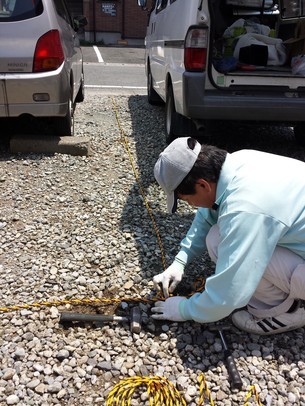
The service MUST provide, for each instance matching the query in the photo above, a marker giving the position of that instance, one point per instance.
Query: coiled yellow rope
(161, 392)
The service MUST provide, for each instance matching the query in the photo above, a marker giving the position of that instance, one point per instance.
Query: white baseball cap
(173, 165)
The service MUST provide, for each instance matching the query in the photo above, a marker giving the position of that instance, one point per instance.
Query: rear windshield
(17, 10)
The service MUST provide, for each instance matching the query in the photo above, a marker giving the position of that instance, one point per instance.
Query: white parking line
(114, 87)
(98, 54)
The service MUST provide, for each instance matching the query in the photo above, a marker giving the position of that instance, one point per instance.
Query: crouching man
(251, 220)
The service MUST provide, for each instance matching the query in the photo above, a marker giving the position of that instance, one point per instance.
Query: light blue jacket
(261, 199)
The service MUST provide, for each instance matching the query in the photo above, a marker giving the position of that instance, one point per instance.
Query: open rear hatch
(257, 43)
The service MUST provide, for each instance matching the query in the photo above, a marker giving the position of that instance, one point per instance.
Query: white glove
(168, 310)
(170, 278)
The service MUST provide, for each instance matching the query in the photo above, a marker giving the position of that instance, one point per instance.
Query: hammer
(134, 319)
(236, 381)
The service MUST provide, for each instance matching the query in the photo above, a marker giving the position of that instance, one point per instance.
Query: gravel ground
(77, 227)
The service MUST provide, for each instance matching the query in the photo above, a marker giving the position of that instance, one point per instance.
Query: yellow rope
(204, 391)
(252, 392)
(161, 392)
(76, 302)
(150, 212)
(198, 287)
(203, 388)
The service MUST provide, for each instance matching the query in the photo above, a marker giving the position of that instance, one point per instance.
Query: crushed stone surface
(78, 228)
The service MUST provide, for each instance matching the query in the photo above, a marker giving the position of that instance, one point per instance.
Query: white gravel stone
(12, 400)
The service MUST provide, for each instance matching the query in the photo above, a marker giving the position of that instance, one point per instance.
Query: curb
(50, 144)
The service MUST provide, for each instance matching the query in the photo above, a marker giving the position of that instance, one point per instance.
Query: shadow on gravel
(234, 136)
(149, 137)
(148, 134)
(10, 127)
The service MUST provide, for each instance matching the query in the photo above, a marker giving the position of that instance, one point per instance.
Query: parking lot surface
(76, 228)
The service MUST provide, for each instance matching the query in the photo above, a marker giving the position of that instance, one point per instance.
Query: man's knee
(212, 242)
(297, 283)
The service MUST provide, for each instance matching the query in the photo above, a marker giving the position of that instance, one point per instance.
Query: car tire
(80, 97)
(299, 134)
(176, 125)
(152, 95)
(171, 117)
(64, 126)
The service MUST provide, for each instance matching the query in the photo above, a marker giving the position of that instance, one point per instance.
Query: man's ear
(205, 184)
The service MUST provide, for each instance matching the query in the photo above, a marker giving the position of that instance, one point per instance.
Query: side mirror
(79, 22)
(142, 3)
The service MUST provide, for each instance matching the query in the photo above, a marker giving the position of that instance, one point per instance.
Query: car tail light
(195, 53)
(49, 54)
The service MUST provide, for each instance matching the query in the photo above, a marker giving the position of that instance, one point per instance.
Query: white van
(227, 60)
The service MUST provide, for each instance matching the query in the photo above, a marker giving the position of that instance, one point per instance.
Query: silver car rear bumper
(17, 90)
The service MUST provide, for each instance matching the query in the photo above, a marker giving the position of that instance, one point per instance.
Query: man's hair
(207, 166)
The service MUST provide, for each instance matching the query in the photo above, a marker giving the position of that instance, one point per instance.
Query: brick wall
(129, 19)
(135, 20)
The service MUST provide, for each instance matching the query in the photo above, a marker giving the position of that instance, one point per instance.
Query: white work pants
(282, 282)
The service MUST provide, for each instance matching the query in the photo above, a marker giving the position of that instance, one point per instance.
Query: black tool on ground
(134, 319)
(236, 381)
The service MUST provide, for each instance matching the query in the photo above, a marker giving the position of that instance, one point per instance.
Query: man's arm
(194, 243)
(247, 244)
(191, 246)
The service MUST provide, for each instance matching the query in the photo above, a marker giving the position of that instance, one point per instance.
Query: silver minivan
(239, 60)
(41, 63)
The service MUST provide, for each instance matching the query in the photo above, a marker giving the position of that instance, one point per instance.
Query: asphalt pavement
(115, 70)
(115, 54)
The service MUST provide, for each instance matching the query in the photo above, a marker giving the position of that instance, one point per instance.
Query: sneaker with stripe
(269, 325)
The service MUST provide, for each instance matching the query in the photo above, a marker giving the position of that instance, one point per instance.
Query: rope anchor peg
(134, 319)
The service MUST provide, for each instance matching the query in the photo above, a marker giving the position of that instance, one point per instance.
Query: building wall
(135, 20)
(111, 21)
